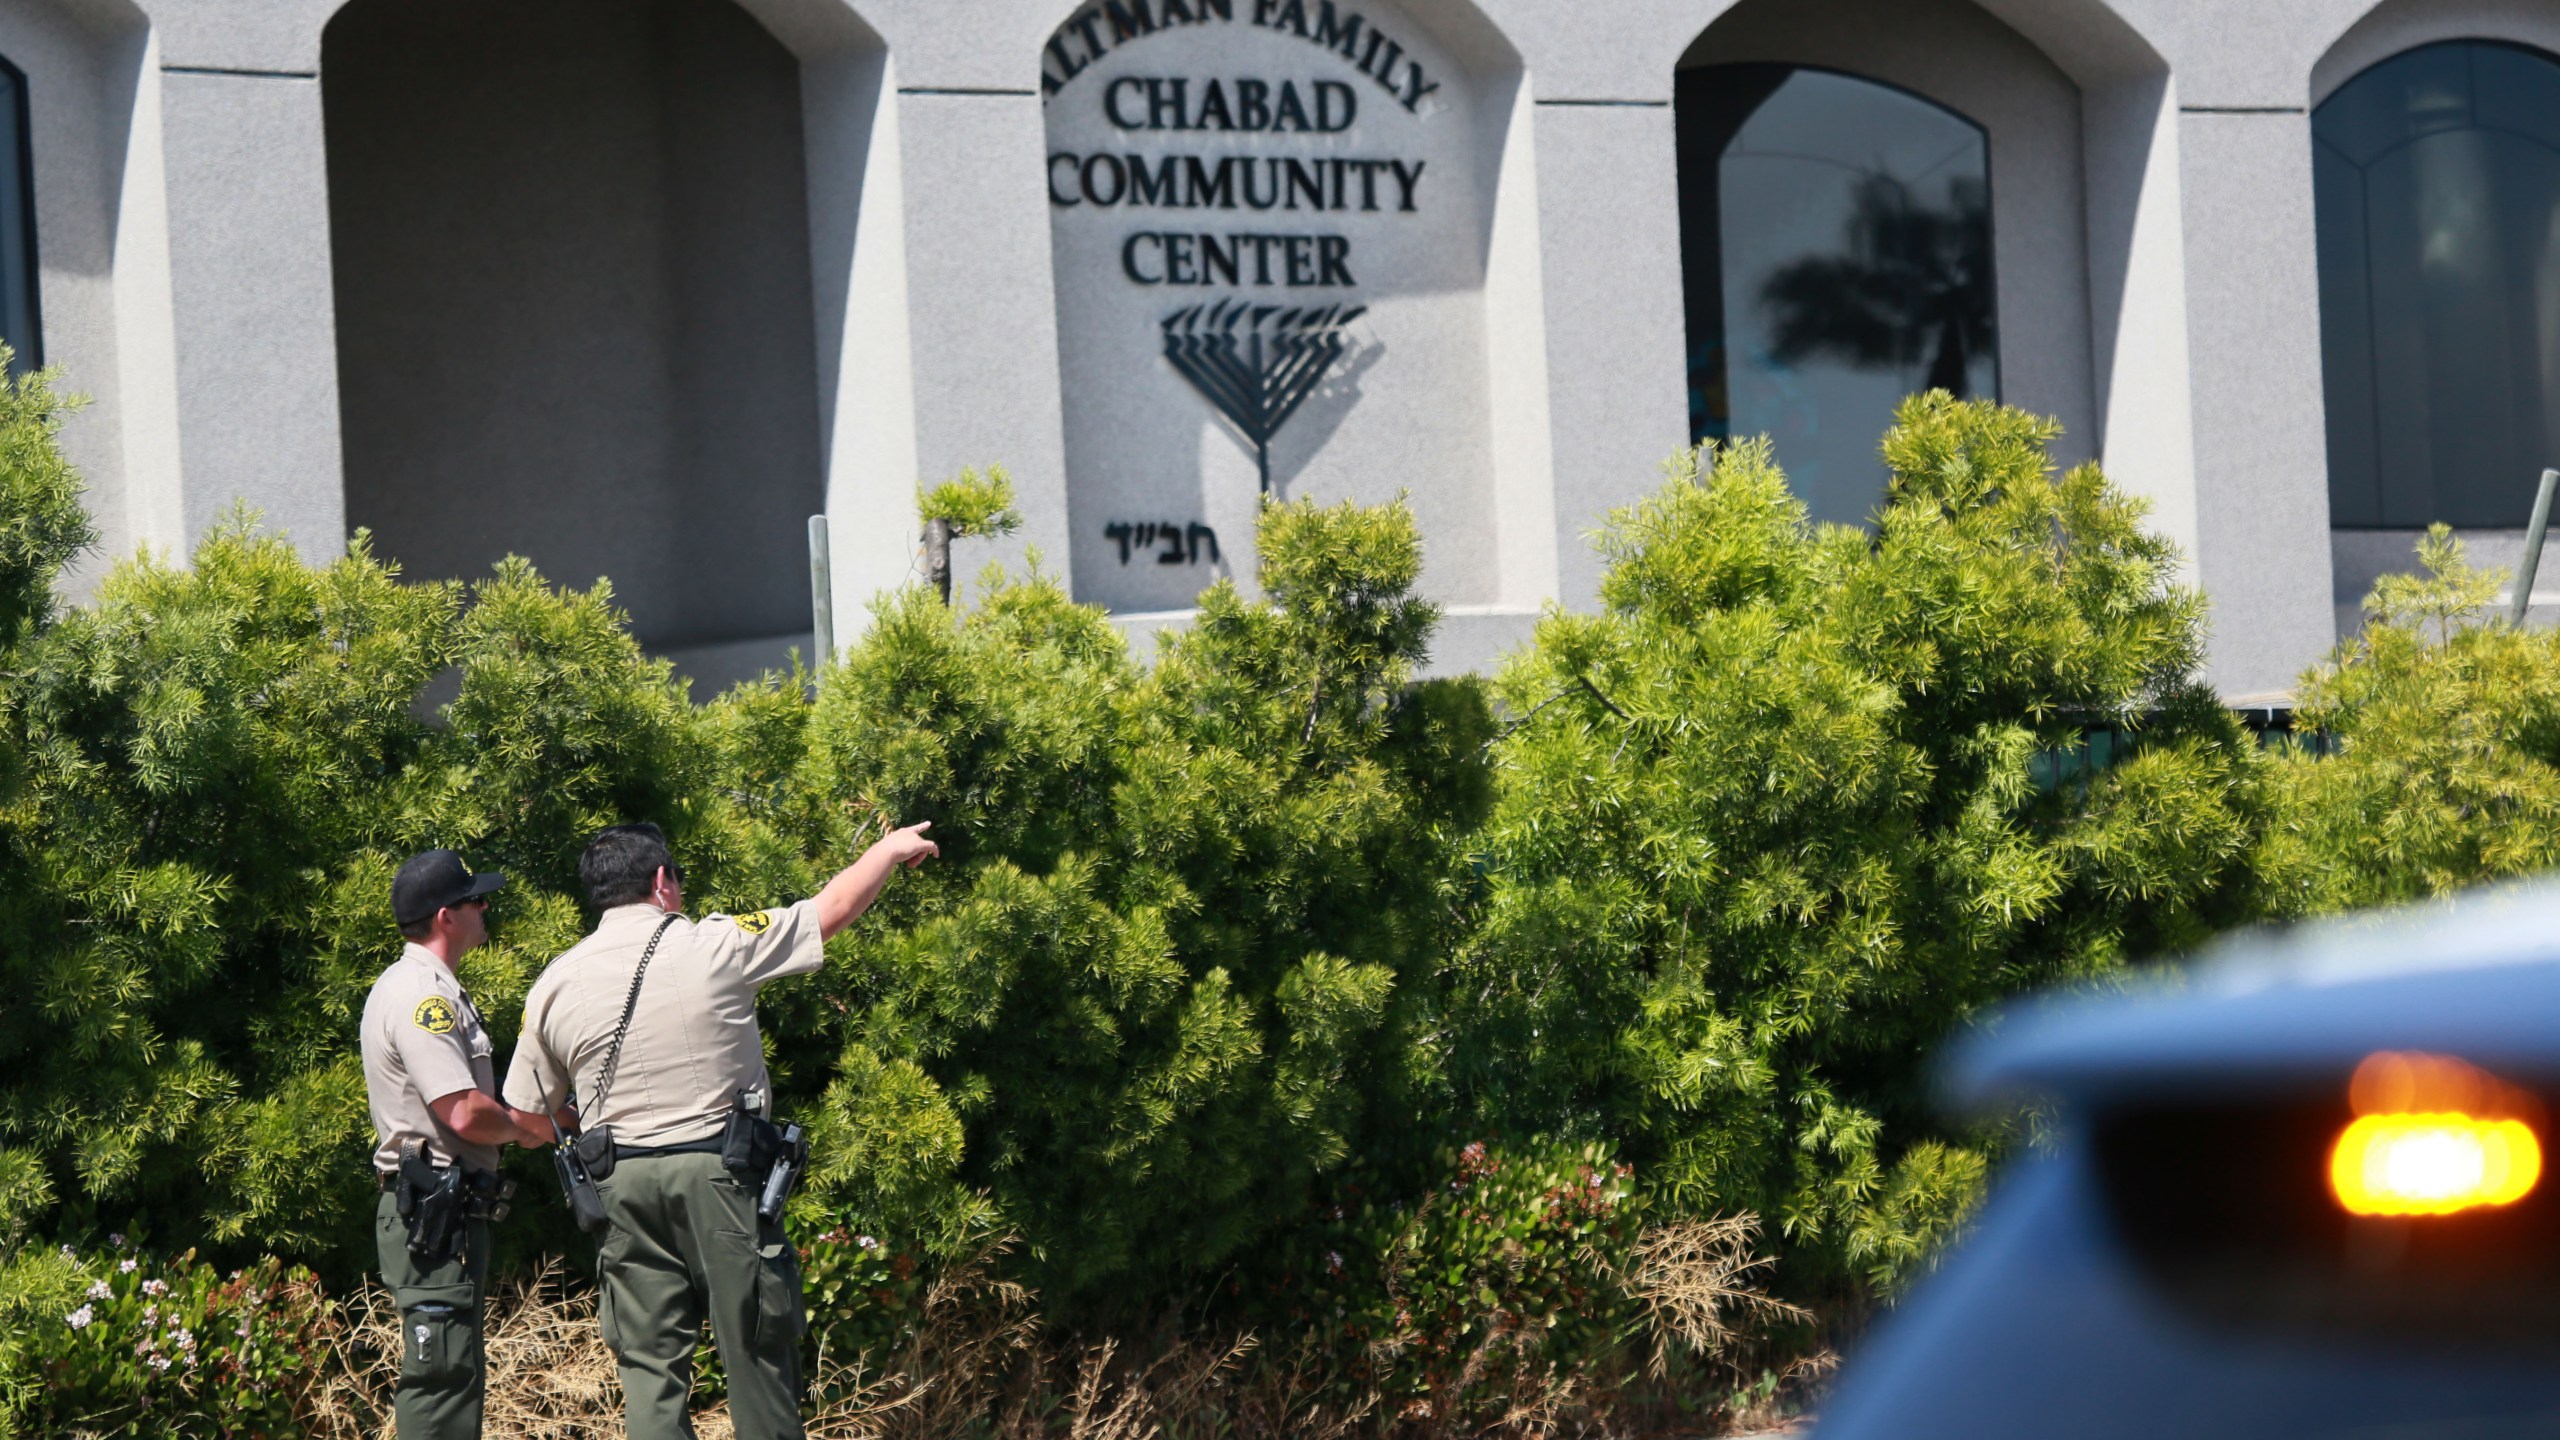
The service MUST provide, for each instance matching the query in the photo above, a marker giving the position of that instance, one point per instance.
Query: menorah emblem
(1257, 363)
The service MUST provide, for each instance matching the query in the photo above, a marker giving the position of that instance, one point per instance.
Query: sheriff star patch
(433, 1015)
(756, 922)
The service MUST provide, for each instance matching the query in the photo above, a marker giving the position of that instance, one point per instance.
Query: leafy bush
(865, 1296)
(2436, 754)
(175, 1348)
(1168, 969)
(971, 504)
(1505, 1278)
(1769, 824)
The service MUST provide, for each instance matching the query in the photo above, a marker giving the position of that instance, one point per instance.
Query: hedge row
(1230, 942)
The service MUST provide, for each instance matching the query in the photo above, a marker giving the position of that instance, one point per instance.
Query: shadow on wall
(1323, 412)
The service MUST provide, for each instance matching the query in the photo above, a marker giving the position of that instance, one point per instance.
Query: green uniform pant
(442, 1376)
(685, 1245)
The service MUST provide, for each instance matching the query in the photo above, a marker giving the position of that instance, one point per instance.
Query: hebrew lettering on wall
(1167, 542)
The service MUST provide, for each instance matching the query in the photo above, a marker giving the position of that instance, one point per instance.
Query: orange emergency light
(2432, 1136)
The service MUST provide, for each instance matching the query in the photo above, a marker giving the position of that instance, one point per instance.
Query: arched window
(2437, 183)
(1835, 245)
(17, 227)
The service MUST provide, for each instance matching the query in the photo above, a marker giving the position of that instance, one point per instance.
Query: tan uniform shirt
(693, 1043)
(423, 1041)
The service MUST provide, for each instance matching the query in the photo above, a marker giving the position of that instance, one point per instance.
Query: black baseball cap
(434, 879)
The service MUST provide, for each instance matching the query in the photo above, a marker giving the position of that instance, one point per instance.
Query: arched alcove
(1321, 210)
(1955, 204)
(572, 245)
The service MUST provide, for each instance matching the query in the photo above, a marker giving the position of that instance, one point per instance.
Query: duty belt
(709, 1146)
(436, 1202)
(388, 1181)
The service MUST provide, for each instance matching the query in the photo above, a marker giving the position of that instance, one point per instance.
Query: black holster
(767, 1158)
(435, 1202)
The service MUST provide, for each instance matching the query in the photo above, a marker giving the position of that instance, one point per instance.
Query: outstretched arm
(858, 884)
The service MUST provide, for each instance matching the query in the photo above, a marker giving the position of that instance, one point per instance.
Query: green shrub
(1169, 968)
(1768, 824)
(2434, 760)
(865, 1295)
(971, 504)
(174, 1347)
(1504, 1277)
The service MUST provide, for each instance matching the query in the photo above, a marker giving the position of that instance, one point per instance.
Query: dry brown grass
(979, 1365)
(1694, 1279)
(1697, 1281)
(550, 1376)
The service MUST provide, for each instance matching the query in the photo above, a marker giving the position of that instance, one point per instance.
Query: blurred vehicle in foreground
(2306, 1194)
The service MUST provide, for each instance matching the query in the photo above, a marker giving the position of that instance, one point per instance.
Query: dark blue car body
(2171, 1263)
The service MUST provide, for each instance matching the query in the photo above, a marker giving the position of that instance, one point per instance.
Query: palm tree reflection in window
(1836, 250)
(1909, 290)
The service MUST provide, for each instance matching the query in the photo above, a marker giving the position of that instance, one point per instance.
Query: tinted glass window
(1836, 252)
(2437, 179)
(17, 227)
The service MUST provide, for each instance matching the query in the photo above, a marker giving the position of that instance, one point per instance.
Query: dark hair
(419, 929)
(621, 864)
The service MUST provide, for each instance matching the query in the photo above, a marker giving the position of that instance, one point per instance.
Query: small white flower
(866, 1242)
(159, 1362)
(185, 1337)
(155, 1287)
(100, 1291)
(150, 1312)
(70, 1254)
(241, 1330)
(117, 1240)
(127, 1267)
(1334, 1258)
(81, 1317)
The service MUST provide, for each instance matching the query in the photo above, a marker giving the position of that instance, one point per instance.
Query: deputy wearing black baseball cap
(436, 880)
(438, 1123)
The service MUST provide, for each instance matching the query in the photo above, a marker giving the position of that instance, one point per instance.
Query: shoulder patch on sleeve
(756, 922)
(433, 1015)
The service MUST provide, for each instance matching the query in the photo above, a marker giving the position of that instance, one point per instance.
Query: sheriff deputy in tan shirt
(686, 1238)
(430, 1083)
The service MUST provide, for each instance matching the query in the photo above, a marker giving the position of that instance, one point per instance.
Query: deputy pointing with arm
(651, 1022)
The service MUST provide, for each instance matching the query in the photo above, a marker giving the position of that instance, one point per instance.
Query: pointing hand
(908, 847)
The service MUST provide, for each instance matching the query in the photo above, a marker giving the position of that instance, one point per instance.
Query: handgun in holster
(767, 1157)
(433, 1202)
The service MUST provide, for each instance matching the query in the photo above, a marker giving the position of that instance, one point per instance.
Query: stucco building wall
(2157, 292)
